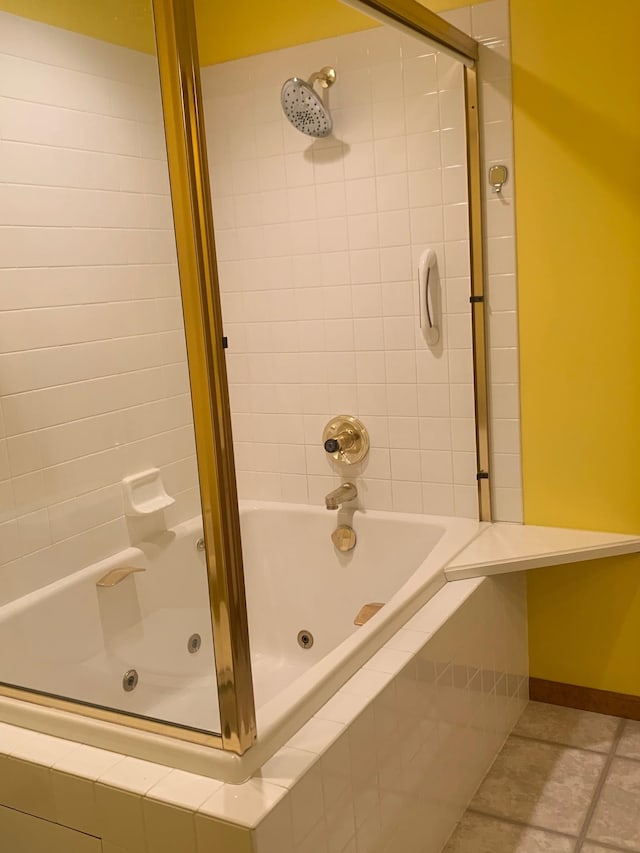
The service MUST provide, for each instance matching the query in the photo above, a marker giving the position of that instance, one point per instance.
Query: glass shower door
(104, 588)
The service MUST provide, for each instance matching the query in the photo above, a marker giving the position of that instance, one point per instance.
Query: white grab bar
(428, 320)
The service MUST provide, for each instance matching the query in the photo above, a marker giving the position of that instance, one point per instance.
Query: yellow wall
(584, 624)
(577, 134)
(226, 30)
(125, 22)
(231, 30)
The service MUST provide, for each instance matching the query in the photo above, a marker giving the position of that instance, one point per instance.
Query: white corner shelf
(505, 547)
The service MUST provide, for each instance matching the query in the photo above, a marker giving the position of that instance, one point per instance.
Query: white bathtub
(76, 640)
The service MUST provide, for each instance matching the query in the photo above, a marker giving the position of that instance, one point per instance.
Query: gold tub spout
(116, 576)
(345, 492)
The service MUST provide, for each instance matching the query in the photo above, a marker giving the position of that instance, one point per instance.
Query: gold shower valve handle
(346, 439)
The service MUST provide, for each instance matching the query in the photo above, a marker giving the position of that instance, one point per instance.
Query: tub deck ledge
(504, 547)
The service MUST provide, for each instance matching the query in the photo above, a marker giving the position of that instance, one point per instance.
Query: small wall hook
(498, 176)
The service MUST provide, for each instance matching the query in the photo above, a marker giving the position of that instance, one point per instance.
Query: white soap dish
(144, 493)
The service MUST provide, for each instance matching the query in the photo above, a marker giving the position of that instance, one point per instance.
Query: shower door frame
(178, 64)
(419, 19)
(176, 35)
(179, 67)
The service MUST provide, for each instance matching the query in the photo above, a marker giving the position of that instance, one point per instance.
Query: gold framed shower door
(177, 55)
(186, 146)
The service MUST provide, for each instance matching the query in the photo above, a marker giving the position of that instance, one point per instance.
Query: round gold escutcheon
(344, 538)
(346, 439)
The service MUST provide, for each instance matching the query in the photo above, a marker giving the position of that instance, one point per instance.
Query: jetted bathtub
(73, 639)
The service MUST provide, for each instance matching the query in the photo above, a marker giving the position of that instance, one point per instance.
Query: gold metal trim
(344, 538)
(326, 77)
(193, 220)
(106, 715)
(345, 492)
(350, 438)
(476, 224)
(422, 20)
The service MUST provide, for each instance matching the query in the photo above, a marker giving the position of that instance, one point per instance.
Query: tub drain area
(305, 639)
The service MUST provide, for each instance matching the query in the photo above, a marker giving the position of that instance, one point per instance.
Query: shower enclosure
(119, 478)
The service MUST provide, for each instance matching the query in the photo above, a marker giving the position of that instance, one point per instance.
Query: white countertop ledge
(504, 547)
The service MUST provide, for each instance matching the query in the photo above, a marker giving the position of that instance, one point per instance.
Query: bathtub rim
(202, 753)
(356, 649)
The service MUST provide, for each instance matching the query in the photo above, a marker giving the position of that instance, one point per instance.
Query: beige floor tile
(581, 729)
(616, 819)
(588, 847)
(542, 784)
(480, 834)
(629, 744)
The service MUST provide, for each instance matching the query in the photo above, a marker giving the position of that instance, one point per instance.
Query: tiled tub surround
(318, 243)
(92, 358)
(389, 763)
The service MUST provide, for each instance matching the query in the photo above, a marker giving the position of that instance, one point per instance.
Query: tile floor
(566, 781)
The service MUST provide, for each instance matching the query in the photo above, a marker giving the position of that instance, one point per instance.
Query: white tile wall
(93, 378)
(92, 362)
(318, 243)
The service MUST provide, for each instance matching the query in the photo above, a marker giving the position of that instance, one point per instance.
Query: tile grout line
(522, 824)
(609, 754)
(590, 750)
(605, 846)
(604, 773)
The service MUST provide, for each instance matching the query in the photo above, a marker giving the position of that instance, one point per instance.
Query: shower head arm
(326, 77)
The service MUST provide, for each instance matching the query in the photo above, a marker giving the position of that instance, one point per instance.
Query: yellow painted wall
(125, 22)
(226, 30)
(584, 624)
(577, 134)
(231, 30)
